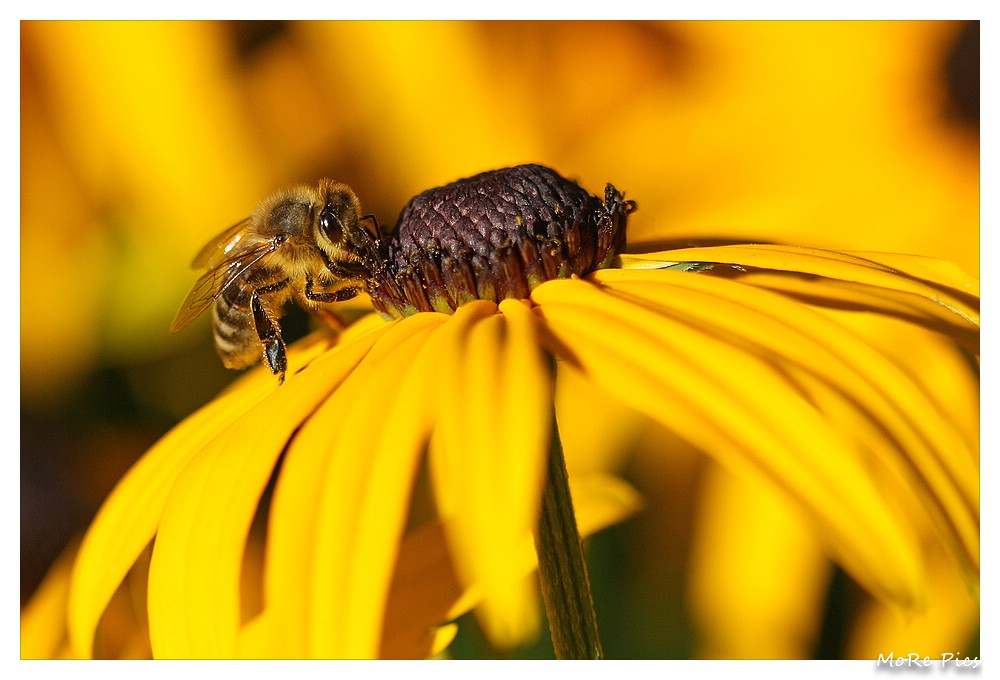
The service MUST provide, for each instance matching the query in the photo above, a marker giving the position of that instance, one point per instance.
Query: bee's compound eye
(330, 225)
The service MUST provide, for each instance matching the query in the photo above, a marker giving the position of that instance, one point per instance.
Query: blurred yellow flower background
(140, 140)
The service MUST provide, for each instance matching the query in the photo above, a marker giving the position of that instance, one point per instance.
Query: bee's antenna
(378, 237)
(375, 224)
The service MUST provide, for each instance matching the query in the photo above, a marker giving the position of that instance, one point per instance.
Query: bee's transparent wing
(211, 284)
(221, 245)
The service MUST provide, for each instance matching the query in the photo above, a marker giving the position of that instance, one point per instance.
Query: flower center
(494, 236)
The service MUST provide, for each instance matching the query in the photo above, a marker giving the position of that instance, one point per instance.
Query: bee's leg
(270, 337)
(339, 295)
(348, 269)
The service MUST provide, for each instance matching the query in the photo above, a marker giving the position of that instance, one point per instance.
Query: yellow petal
(861, 389)
(592, 444)
(933, 361)
(369, 323)
(488, 459)
(934, 271)
(767, 607)
(950, 288)
(949, 624)
(742, 410)
(259, 637)
(442, 637)
(426, 592)
(129, 517)
(194, 581)
(960, 324)
(340, 500)
(358, 537)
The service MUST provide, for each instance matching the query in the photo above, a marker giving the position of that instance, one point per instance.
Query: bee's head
(338, 229)
(338, 219)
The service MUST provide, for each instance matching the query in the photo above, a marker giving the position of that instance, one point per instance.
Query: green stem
(562, 570)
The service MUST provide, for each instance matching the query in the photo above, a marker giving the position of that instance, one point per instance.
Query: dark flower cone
(494, 236)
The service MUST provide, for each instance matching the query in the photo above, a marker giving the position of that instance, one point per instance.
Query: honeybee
(306, 244)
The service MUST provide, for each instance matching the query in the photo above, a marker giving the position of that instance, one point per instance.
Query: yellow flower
(738, 349)
(826, 134)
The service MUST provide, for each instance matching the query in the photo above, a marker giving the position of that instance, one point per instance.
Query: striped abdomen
(236, 337)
